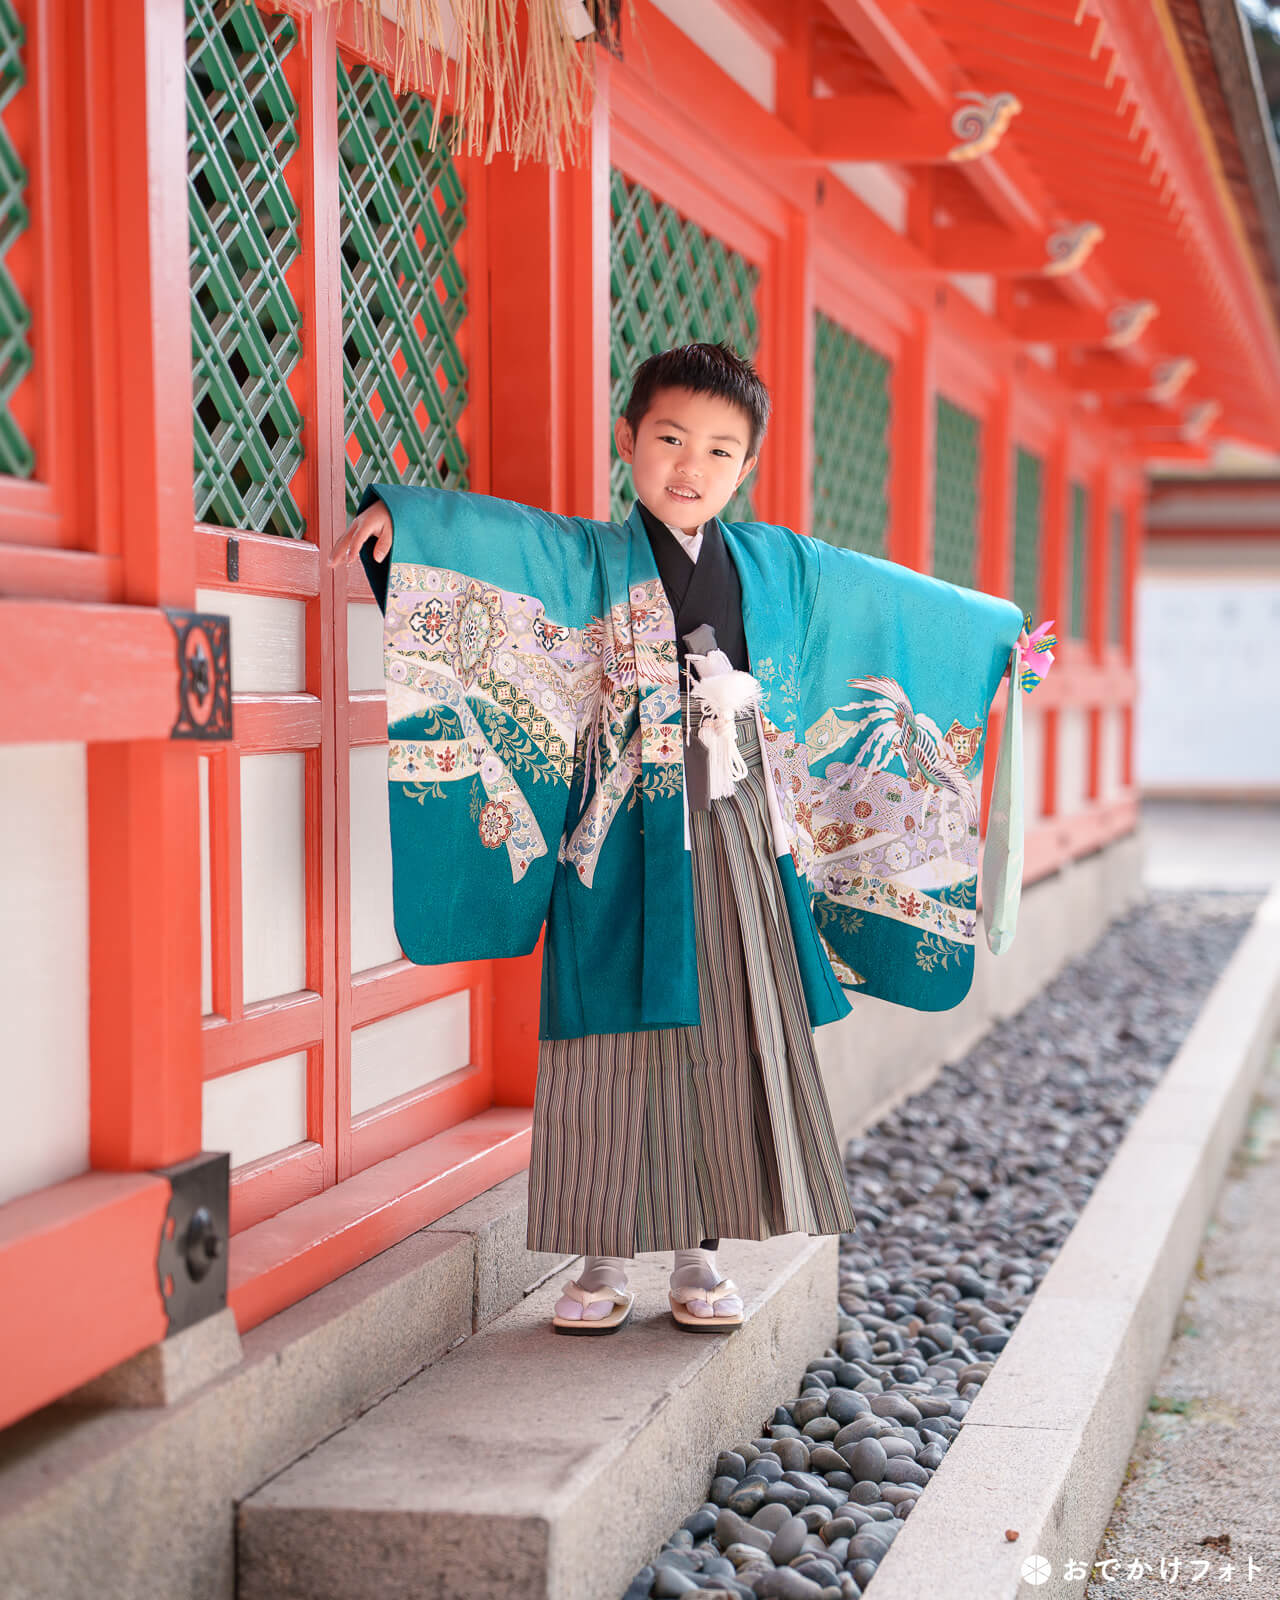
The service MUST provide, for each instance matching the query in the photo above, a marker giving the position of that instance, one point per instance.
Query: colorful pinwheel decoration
(1034, 654)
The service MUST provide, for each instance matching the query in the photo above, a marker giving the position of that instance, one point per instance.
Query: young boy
(643, 734)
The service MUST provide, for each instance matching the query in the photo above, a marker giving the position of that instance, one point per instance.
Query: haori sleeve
(900, 670)
(485, 607)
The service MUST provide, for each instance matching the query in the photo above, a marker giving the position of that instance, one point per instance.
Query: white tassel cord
(722, 691)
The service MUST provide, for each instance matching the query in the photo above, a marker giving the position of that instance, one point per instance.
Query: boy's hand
(375, 523)
(1023, 639)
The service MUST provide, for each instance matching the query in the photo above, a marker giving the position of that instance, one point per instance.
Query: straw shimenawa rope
(525, 102)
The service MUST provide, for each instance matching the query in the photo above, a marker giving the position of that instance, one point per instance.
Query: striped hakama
(658, 1139)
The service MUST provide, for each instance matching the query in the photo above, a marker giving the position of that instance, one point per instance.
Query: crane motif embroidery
(934, 762)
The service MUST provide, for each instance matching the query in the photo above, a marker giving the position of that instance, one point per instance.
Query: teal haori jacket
(536, 774)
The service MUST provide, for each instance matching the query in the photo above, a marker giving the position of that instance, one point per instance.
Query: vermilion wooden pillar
(328, 784)
(1134, 524)
(911, 448)
(995, 545)
(1097, 566)
(915, 397)
(549, 422)
(789, 450)
(144, 857)
(1053, 595)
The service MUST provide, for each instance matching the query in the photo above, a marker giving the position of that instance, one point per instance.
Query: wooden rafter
(903, 46)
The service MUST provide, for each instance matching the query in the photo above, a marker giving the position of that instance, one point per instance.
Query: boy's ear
(622, 437)
(746, 467)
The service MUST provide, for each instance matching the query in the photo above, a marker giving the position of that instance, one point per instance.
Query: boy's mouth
(682, 493)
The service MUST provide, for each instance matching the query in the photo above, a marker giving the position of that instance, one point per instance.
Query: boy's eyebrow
(672, 423)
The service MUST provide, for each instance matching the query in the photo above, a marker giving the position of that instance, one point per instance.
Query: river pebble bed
(964, 1195)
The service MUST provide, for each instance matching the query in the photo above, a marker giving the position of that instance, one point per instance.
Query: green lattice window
(16, 455)
(672, 283)
(404, 294)
(851, 403)
(1115, 577)
(242, 131)
(1028, 523)
(957, 458)
(1077, 556)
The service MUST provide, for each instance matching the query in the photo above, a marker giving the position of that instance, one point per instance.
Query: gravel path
(963, 1195)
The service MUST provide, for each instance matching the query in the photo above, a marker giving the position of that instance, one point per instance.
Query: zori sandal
(623, 1300)
(686, 1318)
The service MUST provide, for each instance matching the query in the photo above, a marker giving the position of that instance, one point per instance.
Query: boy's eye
(671, 438)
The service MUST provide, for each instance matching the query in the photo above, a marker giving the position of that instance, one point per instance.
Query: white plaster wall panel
(733, 48)
(1209, 681)
(206, 899)
(410, 1049)
(879, 189)
(44, 966)
(978, 287)
(373, 931)
(1073, 760)
(273, 879)
(268, 640)
(257, 1110)
(1118, 747)
(1110, 751)
(364, 647)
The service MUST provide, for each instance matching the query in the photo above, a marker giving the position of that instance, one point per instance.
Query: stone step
(529, 1464)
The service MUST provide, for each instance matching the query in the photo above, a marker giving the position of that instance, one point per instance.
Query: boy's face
(696, 443)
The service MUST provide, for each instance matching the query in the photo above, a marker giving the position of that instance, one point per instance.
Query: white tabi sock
(597, 1272)
(697, 1269)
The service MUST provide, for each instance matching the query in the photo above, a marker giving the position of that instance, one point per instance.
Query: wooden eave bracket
(1172, 450)
(1114, 327)
(1159, 382)
(1170, 377)
(865, 127)
(1190, 426)
(934, 114)
(983, 247)
(1199, 420)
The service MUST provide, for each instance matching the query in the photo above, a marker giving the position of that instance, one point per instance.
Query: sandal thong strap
(720, 1291)
(587, 1297)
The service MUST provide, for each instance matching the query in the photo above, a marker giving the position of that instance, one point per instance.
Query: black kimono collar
(705, 590)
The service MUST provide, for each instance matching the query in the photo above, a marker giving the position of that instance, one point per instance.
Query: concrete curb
(1044, 1447)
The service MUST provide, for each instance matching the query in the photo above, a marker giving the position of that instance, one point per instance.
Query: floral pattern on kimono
(492, 685)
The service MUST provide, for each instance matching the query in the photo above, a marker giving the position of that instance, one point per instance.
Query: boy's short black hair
(705, 369)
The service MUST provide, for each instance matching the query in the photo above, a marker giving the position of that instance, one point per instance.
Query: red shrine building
(996, 261)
